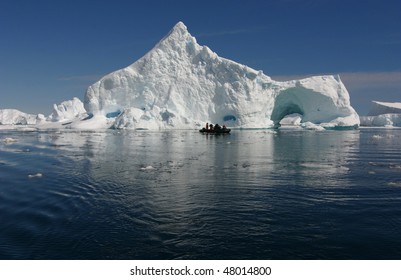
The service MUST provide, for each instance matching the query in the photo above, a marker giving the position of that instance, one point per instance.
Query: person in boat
(217, 127)
(211, 127)
(207, 126)
(224, 127)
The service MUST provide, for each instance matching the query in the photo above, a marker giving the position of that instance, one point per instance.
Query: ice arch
(312, 106)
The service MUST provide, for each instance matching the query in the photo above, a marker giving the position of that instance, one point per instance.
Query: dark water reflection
(286, 194)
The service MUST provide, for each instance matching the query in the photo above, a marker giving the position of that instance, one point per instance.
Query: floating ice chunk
(9, 140)
(37, 175)
(395, 166)
(147, 168)
(292, 119)
(312, 126)
(27, 129)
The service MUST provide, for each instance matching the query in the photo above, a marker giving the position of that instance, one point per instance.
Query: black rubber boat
(215, 131)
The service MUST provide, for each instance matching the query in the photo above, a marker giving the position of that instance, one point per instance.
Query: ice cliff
(383, 114)
(181, 84)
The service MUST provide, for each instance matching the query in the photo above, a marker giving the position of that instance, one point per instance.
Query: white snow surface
(387, 114)
(181, 84)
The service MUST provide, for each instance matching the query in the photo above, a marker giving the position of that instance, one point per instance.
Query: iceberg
(181, 84)
(65, 112)
(386, 120)
(381, 108)
(387, 114)
(16, 117)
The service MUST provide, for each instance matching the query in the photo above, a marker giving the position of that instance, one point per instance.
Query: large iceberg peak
(176, 39)
(181, 84)
(179, 28)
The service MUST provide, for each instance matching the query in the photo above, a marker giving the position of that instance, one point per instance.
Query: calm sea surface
(254, 194)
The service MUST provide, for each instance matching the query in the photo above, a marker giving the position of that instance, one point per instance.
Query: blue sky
(51, 51)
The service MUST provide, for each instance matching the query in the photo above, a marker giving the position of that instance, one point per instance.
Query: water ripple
(181, 195)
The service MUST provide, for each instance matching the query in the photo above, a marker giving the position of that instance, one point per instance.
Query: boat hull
(219, 131)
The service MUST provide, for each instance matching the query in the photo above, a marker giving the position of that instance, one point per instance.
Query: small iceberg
(147, 168)
(9, 140)
(37, 175)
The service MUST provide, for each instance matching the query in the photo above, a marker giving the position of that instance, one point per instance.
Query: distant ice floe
(16, 117)
(394, 184)
(9, 140)
(382, 136)
(147, 168)
(37, 175)
(383, 114)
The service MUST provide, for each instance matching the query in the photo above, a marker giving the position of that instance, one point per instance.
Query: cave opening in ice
(229, 118)
(285, 106)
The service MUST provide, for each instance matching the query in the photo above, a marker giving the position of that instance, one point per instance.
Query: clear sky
(51, 51)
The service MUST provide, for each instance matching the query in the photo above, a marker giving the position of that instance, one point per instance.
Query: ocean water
(254, 194)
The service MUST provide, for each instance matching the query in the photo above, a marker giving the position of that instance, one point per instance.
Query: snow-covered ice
(311, 126)
(68, 110)
(387, 120)
(16, 117)
(293, 120)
